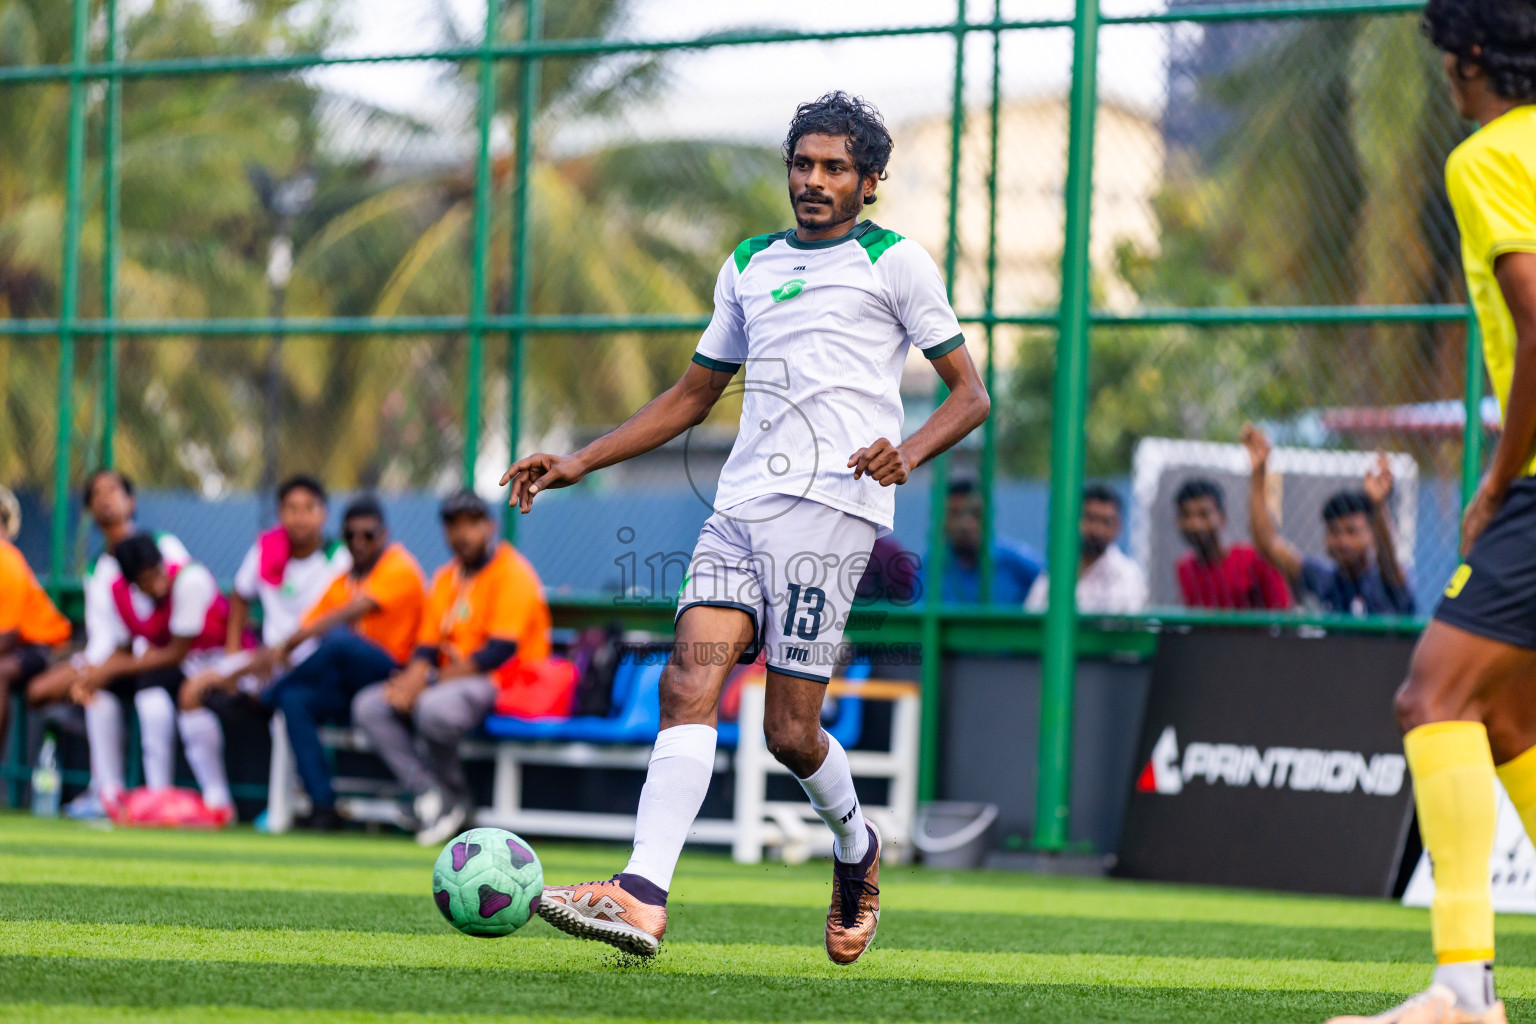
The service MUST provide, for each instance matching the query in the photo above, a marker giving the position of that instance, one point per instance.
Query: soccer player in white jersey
(286, 571)
(107, 496)
(821, 316)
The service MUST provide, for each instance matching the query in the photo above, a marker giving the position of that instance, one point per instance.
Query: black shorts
(33, 659)
(166, 678)
(1493, 592)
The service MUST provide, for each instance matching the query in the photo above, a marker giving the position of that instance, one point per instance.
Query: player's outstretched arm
(1378, 487)
(1516, 272)
(962, 412)
(1277, 551)
(683, 405)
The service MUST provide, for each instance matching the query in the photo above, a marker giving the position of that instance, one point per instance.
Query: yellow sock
(1519, 778)
(1453, 787)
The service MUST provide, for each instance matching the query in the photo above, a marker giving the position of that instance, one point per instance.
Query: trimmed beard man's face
(825, 188)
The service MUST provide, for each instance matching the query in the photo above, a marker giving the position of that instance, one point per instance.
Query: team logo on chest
(788, 290)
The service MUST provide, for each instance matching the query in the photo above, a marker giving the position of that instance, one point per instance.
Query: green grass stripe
(723, 924)
(42, 851)
(545, 954)
(903, 889)
(71, 839)
(31, 1013)
(645, 995)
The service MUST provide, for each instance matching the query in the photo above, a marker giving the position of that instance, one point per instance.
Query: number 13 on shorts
(804, 621)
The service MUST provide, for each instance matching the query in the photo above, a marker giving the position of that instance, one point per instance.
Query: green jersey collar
(794, 242)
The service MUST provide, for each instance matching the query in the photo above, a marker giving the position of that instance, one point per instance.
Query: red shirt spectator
(1240, 579)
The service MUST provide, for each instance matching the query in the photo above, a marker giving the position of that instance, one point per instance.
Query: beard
(1094, 548)
(844, 210)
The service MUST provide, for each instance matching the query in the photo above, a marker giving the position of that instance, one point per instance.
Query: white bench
(759, 824)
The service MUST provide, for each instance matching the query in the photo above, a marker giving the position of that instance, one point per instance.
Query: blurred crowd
(317, 629)
(1357, 574)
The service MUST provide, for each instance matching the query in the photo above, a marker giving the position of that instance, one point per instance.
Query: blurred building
(1032, 171)
(1198, 55)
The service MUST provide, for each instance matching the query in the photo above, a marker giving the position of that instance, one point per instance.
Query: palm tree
(636, 228)
(1322, 185)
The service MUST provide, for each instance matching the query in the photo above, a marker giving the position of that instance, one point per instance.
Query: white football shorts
(793, 564)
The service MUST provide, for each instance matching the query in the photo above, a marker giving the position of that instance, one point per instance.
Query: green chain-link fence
(221, 261)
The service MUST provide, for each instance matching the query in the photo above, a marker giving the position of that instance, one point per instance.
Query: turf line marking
(915, 891)
(161, 942)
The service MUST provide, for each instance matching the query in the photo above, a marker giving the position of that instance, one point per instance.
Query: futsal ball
(487, 882)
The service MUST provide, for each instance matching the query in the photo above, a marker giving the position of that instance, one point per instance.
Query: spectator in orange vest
(31, 628)
(366, 625)
(485, 605)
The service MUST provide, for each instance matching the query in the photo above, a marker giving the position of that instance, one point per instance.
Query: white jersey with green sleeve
(305, 581)
(822, 329)
(102, 632)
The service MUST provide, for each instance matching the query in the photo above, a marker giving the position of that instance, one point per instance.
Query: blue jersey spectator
(1015, 565)
(1361, 575)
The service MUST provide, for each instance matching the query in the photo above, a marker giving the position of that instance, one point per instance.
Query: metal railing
(1074, 319)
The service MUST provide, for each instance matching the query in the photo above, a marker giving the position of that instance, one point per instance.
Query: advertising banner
(1511, 869)
(1271, 761)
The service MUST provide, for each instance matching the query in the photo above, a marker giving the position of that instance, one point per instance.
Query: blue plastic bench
(634, 718)
(636, 714)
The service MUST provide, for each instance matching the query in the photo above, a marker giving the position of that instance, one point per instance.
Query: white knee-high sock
(157, 736)
(675, 783)
(203, 740)
(830, 788)
(104, 733)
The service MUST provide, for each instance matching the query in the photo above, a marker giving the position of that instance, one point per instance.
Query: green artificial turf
(99, 925)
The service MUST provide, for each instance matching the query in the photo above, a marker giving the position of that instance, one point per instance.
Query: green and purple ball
(487, 882)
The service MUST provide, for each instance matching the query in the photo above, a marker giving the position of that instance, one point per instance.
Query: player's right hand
(540, 472)
(1257, 444)
(1480, 512)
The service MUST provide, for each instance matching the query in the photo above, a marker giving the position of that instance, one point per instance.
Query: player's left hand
(1480, 512)
(883, 461)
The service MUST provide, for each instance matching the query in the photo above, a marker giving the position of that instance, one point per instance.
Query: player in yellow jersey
(1470, 699)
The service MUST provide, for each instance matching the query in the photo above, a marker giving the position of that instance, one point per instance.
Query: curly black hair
(837, 113)
(1498, 36)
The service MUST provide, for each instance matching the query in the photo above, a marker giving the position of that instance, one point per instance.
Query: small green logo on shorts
(788, 290)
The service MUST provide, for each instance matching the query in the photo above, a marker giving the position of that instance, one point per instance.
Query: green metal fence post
(1472, 430)
(522, 238)
(989, 375)
(933, 648)
(111, 196)
(69, 298)
(475, 363)
(1068, 408)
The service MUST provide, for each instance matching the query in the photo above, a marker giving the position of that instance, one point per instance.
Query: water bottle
(46, 784)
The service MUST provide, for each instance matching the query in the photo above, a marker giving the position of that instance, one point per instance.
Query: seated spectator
(1215, 574)
(108, 498)
(362, 630)
(1015, 565)
(485, 605)
(176, 609)
(285, 571)
(1108, 581)
(31, 628)
(1362, 575)
(892, 574)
